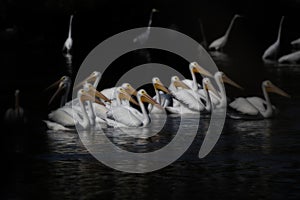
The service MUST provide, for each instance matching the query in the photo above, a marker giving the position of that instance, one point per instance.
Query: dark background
(31, 50)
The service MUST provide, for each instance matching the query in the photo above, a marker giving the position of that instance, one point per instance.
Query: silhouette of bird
(16, 114)
(220, 43)
(273, 52)
(69, 42)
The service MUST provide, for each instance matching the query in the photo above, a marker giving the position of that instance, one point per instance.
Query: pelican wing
(124, 116)
(258, 103)
(100, 111)
(110, 93)
(188, 98)
(63, 116)
(244, 106)
(56, 127)
(190, 83)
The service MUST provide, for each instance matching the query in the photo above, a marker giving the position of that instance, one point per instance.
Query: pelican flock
(124, 106)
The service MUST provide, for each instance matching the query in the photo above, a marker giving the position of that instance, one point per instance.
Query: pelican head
(85, 96)
(154, 10)
(178, 83)
(129, 89)
(65, 79)
(145, 97)
(223, 78)
(62, 85)
(17, 92)
(157, 84)
(270, 87)
(196, 68)
(92, 77)
(122, 94)
(209, 87)
(91, 90)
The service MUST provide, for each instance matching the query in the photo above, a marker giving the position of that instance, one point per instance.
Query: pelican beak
(93, 92)
(231, 82)
(56, 83)
(60, 88)
(181, 84)
(130, 90)
(124, 95)
(210, 87)
(277, 90)
(198, 69)
(146, 98)
(159, 86)
(87, 97)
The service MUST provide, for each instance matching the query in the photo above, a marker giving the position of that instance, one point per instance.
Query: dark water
(252, 159)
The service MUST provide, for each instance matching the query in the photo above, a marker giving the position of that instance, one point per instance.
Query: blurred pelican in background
(273, 52)
(16, 114)
(256, 106)
(296, 43)
(220, 43)
(69, 41)
(292, 58)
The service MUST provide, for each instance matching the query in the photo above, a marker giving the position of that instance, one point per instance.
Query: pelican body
(256, 106)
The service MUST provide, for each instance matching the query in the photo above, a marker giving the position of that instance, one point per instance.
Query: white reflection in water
(68, 60)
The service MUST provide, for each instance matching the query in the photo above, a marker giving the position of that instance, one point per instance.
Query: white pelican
(195, 68)
(220, 100)
(186, 100)
(110, 93)
(161, 97)
(121, 116)
(256, 106)
(273, 52)
(292, 58)
(64, 115)
(93, 79)
(142, 38)
(16, 114)
(69, 42)
(83, 119)
(220, 43)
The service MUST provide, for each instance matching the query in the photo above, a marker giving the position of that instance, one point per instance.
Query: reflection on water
(252, 158)
(68, 63)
